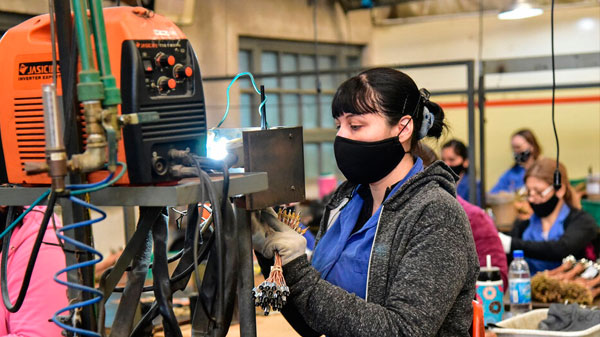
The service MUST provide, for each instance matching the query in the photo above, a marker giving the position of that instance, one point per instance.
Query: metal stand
(185, 193)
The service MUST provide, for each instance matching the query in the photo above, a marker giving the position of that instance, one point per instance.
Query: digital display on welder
(168, 67)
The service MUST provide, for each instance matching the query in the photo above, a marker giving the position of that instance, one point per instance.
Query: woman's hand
(269, 235)
(259, 231)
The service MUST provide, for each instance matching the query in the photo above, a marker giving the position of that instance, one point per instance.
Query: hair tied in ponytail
(427, 123)
(428, 117)
(425, 94)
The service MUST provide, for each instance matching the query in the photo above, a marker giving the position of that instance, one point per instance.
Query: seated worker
(456, 155)
(44, 296)
(484, 231)
(394, 254)
(558, 227)
(526, 150)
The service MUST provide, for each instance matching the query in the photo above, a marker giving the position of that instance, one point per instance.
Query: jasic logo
(37, 68)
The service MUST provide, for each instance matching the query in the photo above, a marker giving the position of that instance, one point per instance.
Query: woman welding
(394, 254)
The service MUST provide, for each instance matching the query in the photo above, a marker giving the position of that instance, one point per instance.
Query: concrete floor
(266, 326)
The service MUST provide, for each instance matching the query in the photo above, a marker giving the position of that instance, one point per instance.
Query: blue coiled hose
(76, 190)
(86, 248)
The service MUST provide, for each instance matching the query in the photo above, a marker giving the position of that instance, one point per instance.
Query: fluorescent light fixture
(586, 24)
(520, 9)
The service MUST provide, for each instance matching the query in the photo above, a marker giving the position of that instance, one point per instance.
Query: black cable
(205, 249)
(197, 279)
(29, 271)
(220, 238)
(53, 40)
(175, 278)
(316, 47)
(148, 288)
(557, 178)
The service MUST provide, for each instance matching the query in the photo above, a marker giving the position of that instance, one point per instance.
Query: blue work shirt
(534, 233)
(463, 187)
(511, 181)
(342, 257)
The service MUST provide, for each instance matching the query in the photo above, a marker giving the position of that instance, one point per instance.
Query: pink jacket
(44, 296)
(486, 238)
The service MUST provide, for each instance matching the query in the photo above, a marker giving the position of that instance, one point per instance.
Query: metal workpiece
(186, 192)
(280, 153)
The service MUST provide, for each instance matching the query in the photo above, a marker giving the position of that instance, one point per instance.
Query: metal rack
(184, 193)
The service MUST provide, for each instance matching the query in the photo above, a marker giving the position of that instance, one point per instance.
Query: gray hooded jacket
(422, 270)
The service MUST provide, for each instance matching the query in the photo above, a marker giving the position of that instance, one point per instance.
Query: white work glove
(260, 229)
(277, 237)
(506, 241)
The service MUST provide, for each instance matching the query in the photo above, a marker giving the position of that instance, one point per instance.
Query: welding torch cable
(203, 226)
(29, 209)
(220, 241)
(228, 98)
(153, 311)
(30, 264)
(81, 265)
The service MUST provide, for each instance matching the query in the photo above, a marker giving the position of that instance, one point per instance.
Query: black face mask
(521, 157)
(367, 162)
(544, 209)
(458, 169)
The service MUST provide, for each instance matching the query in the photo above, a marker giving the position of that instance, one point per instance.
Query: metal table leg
(246, 275)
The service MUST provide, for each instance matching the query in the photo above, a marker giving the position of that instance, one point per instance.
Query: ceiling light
(519, 9)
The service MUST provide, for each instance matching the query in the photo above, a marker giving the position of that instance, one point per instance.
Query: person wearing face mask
(558, 228)
(394, 255)
(456, 155)
(526, 150)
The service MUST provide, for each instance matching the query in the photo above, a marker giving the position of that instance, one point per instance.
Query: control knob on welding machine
(164, 60)
(164, 83)
(180, 71)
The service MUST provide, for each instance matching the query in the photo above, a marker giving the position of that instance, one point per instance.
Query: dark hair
(530, 138)
(460, 149)
(544, 168)
(391, 93)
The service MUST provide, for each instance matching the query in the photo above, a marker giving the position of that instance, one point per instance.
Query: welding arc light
(519, 9)
(216, 147)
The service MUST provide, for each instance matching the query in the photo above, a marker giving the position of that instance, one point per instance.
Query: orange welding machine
(156, 70)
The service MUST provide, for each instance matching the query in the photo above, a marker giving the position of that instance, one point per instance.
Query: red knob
(164, 83)
(164, 60)
(180, 71)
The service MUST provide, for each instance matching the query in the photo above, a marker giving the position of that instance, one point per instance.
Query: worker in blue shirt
(526, 151)
(394, 255)
(456, 155)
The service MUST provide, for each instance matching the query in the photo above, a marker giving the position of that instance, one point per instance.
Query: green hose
(112, 95)
(89, 87)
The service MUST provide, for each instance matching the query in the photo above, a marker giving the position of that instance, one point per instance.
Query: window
(292, 91)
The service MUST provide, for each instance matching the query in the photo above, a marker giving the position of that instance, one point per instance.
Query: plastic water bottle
(519, 284)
